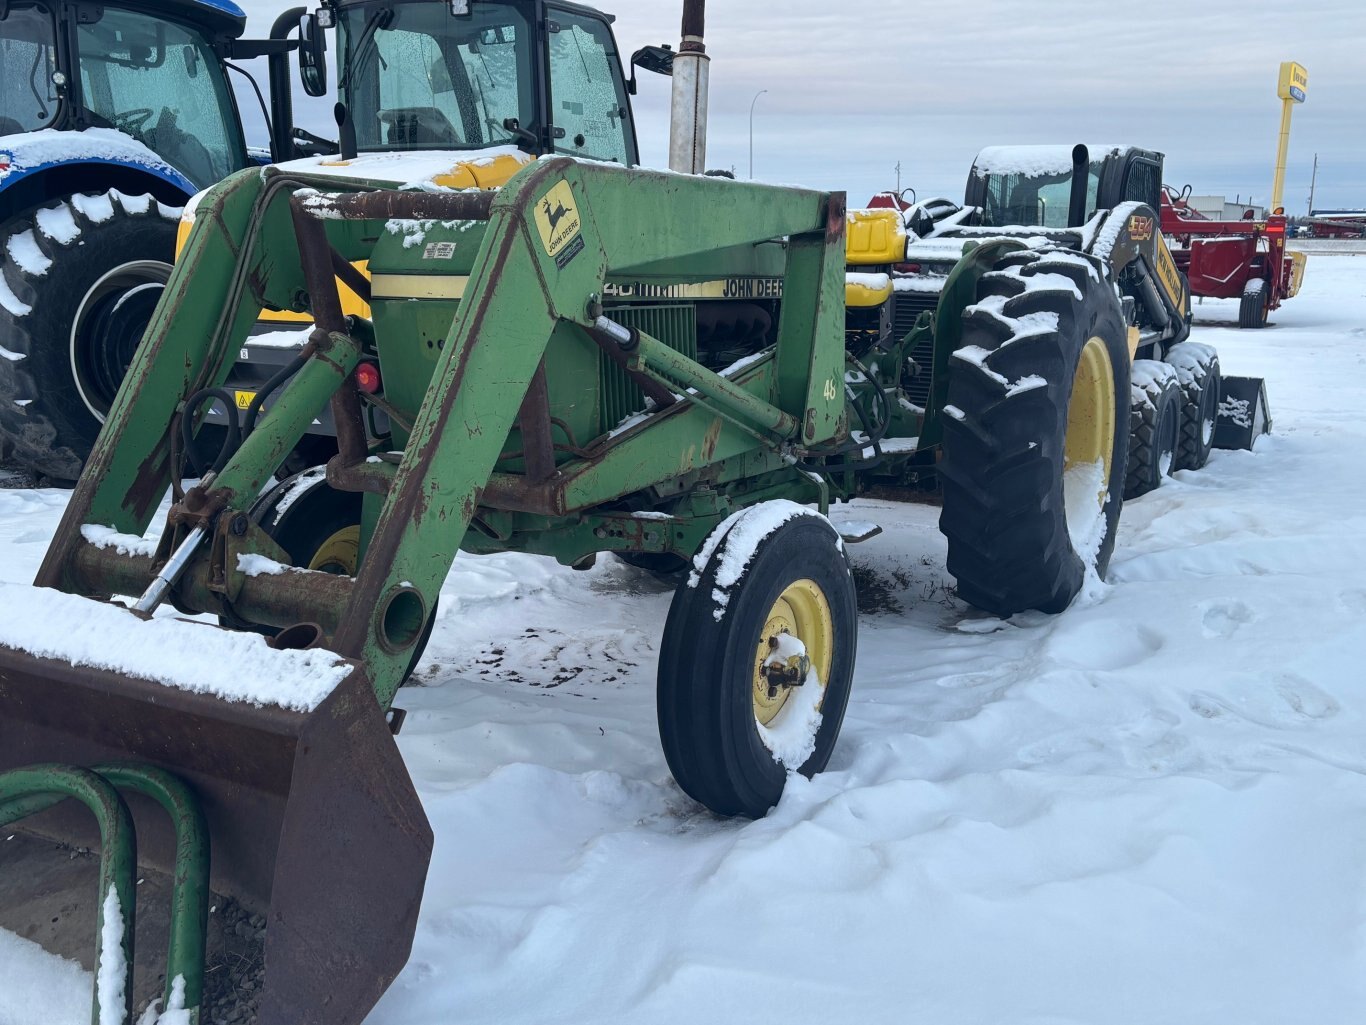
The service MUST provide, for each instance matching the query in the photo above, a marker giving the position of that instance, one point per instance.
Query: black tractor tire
(719, 725)
(1197, 370)
(1255, 306)
(319, 529)
(1154, 426)
(1037, 421)
(81, 277)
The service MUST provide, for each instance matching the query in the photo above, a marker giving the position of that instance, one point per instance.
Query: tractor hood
(423, 170)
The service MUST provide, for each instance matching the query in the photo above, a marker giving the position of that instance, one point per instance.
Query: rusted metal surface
(386, 204)
(538, 446)
(834, 217)
(280, 599)
(312, 816)
(350, 277)
(514, 493)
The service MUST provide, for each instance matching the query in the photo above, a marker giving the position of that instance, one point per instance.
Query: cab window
(160, 84)
(588, 108)
(418, 78)
(28, 99)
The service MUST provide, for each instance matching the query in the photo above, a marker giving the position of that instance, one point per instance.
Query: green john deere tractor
(592, 358)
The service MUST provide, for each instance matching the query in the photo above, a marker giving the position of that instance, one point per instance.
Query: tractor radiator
(907, 306)
(675, 326)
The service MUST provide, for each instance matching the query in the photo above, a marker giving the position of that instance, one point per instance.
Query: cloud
(854, 89)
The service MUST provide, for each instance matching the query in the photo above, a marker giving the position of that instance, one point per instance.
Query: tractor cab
(417, 76)
(152, 72)
(1060, 186)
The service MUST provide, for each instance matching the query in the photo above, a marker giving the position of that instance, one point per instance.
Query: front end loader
(308, 816)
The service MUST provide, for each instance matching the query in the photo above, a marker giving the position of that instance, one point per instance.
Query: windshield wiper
(366, 45)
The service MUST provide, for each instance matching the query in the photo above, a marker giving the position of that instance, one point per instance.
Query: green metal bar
(190, 886)
(288, 419)
(118, 853)
(665, 364)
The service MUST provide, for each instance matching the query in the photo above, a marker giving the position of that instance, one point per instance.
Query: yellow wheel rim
(1090, 436)
(340, 553)
(803, 611)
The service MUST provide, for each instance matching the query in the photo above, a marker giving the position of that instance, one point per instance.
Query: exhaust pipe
(1081, 169)
(688, 114)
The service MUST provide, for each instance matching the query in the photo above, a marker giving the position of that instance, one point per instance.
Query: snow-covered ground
(1149, 809)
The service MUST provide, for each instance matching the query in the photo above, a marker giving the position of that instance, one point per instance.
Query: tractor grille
(907, 307)
(675, 326)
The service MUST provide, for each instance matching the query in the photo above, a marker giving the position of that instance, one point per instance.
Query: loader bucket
(312, 818)
(1244, 415)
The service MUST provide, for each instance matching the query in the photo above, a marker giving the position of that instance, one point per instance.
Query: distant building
(1218, 208)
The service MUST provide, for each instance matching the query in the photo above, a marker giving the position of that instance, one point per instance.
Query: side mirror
(658, 59)
(312, 56)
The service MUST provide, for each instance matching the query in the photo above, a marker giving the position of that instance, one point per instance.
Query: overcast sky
(853, 89)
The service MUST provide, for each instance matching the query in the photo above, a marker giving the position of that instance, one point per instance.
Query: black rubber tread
(1197, 367)
(1154, 428)
(46, 424)
(705, 708)
(1003, 450)
(1253, 309)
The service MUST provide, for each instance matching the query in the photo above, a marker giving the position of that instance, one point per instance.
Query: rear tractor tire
(1035, 434)
(1255, 307)
(319, 529)
(757, 659)
(81, 279)
(1154, 426)
(1197, 371)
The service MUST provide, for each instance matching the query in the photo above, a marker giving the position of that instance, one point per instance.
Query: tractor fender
(40, 166)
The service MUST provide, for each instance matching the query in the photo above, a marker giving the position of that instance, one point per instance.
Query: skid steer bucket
(311, 817)
(1244, 415)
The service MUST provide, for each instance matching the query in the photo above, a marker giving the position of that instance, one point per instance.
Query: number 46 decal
(829, 391)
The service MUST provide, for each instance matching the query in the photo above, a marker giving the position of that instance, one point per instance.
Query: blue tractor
(112, 115)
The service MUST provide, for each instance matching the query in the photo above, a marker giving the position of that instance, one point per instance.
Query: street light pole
(751, 131)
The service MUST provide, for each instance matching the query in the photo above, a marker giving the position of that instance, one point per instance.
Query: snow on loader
(112, 116)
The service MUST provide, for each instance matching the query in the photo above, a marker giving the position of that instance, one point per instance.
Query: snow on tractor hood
(30, 152)
(425, 170)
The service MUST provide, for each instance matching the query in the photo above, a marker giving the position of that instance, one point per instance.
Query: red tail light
(367, 378)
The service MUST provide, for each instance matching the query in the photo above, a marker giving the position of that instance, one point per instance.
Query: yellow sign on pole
(1292, 88)
(1294, 83)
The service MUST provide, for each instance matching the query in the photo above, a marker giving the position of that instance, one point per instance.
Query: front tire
(1035, 434)
(1255, 306)
(1154, 426)
(81, 279)
(1197, 370)
(732, 720)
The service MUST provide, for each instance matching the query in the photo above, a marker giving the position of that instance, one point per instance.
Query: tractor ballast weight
(311, 815)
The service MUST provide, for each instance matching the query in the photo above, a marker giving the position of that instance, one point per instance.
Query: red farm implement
(1244, 259)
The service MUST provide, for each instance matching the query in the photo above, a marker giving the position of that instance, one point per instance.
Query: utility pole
(1312, 182)
(898, 177)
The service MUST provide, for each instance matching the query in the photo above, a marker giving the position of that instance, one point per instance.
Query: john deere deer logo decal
(556, 215)
(557, 219)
